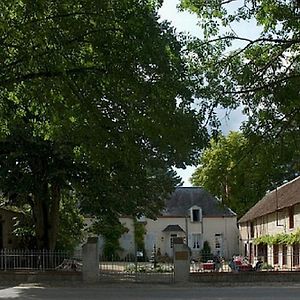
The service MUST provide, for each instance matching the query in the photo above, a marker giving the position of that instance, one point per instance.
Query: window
(195, 214)
(291, 217)
(296, 255)
(218, 244)
(172, 239)
(262, 251)
(196, 240)
(252, 229)
(250, 253)
(217, 238)
(284, 254)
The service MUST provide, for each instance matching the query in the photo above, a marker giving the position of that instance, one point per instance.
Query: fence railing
(268, 262)
(132, 269)
(42, 260)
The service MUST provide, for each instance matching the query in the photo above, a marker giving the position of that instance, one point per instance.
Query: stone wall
(247, 277)
(60, 277)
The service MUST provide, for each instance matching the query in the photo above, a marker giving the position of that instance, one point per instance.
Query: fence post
(181, 261)
(5, 260)
(50, 255)
(90, 260)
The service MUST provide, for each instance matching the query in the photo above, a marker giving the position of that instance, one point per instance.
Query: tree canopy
(261, 74)
(95, 98)
(239, 170)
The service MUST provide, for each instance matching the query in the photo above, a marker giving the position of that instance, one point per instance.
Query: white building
(192, 214)
(270, 229)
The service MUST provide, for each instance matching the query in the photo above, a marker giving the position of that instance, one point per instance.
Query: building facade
(192, 214)
(270, 230)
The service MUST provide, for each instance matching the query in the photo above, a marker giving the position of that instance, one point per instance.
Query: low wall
(245, 277)
(214, 278)
(37, 277)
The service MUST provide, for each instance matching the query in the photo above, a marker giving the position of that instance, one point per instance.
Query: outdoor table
(208, 266)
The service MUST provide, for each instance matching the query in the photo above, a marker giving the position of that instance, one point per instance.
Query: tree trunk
(46, 216)
(53, 220)
(40, 214)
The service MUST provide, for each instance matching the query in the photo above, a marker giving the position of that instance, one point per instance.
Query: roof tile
(184, 198)
(284, 196)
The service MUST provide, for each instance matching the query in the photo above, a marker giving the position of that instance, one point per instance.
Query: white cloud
(182, 21)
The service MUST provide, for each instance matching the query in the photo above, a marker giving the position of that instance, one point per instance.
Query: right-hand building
(270, 230)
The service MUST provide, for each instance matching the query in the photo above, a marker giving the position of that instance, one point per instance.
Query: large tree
(94, 98)
(261, 74)
(239, 170)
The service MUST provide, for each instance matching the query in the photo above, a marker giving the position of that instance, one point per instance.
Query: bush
(206, 252)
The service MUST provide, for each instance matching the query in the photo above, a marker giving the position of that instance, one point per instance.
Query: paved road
(158, 292)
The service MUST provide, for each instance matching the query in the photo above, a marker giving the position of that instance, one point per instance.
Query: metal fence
(42, 260)
(130, 269)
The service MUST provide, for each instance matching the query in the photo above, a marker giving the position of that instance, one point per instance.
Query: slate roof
(184, 198)
(175, 228)
(285, 196)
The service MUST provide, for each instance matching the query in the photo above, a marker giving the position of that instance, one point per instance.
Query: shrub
(206, 252)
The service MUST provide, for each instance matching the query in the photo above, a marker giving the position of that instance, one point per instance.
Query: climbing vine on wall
(139, 234)
(111, 230)
(279, 238)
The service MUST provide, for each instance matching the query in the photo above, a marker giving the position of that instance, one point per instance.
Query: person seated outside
(259, 264)
(233, 265)
(218, 263)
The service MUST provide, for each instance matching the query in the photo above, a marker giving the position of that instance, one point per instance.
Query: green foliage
(94, 98)
(267, 266)
(206, 252)
(260, 74)
(23, 229)
(111, 230)
(139, 234)
(279, 238)
(239, 170)
(266, 239)
(146, 268)
(70, 232)
(71, 224)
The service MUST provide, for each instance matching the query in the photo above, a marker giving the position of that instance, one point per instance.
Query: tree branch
(51, 74)
(261, 87)
(258, 40)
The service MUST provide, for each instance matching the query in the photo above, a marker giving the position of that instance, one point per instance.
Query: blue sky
(186, 22)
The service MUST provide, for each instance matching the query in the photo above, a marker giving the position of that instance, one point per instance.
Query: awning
(174, 228)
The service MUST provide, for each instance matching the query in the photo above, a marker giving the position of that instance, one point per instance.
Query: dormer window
(196, 214)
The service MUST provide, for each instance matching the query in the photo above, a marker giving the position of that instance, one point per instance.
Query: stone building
(270, 229)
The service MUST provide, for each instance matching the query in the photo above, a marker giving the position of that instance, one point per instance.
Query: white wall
(127, 239)
(227, 227)
(156, 236)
